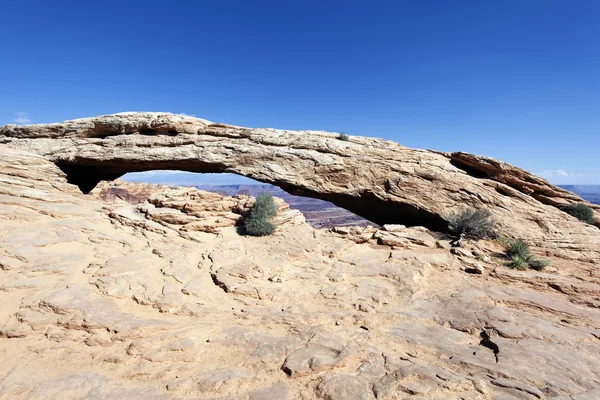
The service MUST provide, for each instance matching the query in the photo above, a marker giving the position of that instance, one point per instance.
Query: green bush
(538, 264)
(257, 223)
(344, 136)
(581, 211)
(475, 224)
(520, 255)
(518, 262)
(517, 247)
(115, 125)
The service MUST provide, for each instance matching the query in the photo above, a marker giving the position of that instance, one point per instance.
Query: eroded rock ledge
(377, 179)
(165, 300)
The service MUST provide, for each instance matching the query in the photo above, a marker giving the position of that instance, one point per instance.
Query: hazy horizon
(224, 178)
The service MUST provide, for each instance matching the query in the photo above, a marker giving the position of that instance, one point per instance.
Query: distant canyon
(318, 213)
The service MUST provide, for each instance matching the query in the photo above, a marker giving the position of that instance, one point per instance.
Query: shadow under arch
(87, 173)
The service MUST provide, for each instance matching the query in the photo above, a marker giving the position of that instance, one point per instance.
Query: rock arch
(374, 178)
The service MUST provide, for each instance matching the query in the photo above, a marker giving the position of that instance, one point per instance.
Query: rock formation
(319, 214)
(166, 300)
(379, 180)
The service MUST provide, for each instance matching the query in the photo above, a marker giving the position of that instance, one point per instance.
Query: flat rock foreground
(166, 300)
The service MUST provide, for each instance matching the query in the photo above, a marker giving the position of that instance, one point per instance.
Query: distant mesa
(589, 193)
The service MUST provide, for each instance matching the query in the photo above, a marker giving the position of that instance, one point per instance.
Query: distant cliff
(590, 193)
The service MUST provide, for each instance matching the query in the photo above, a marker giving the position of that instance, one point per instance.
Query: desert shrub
(344, 136)
(503, 240)
(473, 223)
(580, 211)
(538, 264)
(517, 262)
(517, 247)
(257, 223)
(520, 256)
(115, 125)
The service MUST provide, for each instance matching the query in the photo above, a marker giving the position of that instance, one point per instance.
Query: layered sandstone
(166, 300)
(374, 178)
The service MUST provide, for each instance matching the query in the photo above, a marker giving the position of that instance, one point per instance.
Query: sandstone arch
(377, 179)
(86, 174)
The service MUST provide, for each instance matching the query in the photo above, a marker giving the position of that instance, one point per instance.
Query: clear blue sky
(516, 80)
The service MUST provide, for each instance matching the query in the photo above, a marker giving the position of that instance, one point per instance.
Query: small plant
(580, 211)
(538, 264)
(344, 136)
(503, 240)
(257, 223)
(520, 255)
(473, 223)
(518, 247)
(518, 262)
(115, 126)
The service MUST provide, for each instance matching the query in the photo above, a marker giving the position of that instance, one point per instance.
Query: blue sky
(515, 80)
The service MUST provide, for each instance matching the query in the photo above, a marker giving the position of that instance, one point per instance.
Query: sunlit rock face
(165, 299)
(379, 180)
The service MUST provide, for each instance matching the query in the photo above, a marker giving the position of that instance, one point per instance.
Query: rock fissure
(486, 342)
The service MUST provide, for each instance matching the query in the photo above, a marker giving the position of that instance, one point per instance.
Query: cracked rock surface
(166, 300)
(377, 179)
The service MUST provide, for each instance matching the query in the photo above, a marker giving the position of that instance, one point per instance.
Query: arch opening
(318, 213)
(87, 173)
